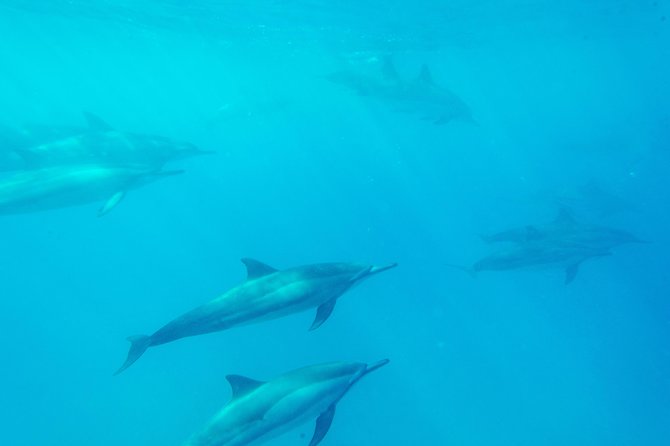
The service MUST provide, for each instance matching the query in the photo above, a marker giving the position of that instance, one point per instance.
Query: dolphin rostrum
(267, 293)
(259, 411)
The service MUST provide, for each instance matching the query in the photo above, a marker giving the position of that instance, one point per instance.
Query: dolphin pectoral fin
(322, 425)
(571, 272)
(425, 76)
(323, 313)
(388, 69)
(256, 269)
(241, 385)
(139, 344)
(95, 123)
(111, 203)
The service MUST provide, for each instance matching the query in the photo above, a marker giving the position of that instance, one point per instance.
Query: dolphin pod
(258, 410)
(563, 243)
(267, 293)
(50, 168)
(34, 147)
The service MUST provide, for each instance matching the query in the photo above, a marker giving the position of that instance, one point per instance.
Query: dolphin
(259, 411)
(594, 200)
(267, 294)
(42, 146)
(565, 228)
(421, 96)
(568, 256)
(64, 186)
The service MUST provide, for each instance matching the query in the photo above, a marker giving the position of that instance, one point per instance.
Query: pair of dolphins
(56, 167)
(564, 243)
(260, 410)
(421, 96)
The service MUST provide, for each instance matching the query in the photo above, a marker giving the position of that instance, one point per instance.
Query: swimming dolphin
(259, 411)
(42, 146)
(420, 96)
(267, 293)
(57, 187)
(567, 256)
(568, 230)
(594, 200)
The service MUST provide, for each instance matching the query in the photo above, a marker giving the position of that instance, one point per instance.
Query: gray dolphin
(421, 96)
(43, 146)
(567, 256)
(64, 186)
(566, 229)
(259, 411)
(267, 293)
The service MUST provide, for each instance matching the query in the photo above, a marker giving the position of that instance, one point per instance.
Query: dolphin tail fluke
(139, 344)
(471, 271)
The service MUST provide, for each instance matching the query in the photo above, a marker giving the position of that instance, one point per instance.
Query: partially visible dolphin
(421, 96)
(259, 411)
(568, 230)
(64, 186)
(594, 200)
(567, 256)
(42, 146)
(267, 293)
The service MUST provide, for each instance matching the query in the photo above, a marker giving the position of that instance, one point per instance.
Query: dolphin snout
(379, 269)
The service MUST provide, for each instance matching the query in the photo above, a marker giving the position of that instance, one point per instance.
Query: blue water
(564, 94)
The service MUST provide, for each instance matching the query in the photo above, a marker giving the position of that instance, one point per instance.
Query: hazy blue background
(307, 172)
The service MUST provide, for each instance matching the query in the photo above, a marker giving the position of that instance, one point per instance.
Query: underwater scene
(309, 222)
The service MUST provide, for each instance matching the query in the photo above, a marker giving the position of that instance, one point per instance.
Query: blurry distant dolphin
(259, 411)
(266, 294)
(538, 254)
(42, 146)
(568, 230)
(58, 187)
(593, 199)
(421, 96)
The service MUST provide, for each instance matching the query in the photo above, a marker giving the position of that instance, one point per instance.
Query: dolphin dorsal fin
(241, 385)
(425, 76)
(96, 123)
(532, 234)
(571, 272)
(388, 70)
(564, 217)
(256, 269)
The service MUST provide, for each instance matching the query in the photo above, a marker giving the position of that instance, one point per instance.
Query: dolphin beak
(373, 367)
(377, 365)
(380, 269)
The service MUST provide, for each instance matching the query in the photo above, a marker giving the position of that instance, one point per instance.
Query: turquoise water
(569, 107)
